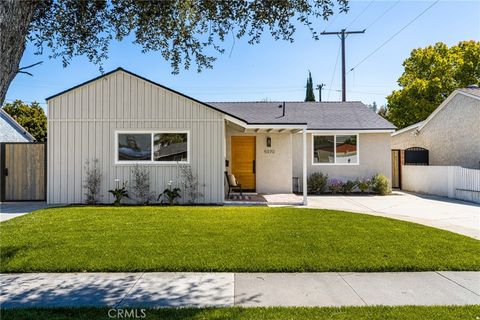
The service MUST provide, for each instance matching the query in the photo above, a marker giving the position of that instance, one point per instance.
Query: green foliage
(119, 193)
(93, 179)
(225, 239)
(431, 74)
(380, 184)
(141, 185)
(363, 184)
(335, 185)
(309, 95)
(348, 186)
(467, 312)
(182, 31)
(170, 195)
(317, 183)
(31, 117)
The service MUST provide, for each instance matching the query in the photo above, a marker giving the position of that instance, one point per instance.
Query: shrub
(190, 184)
(380, 184)
(92, 181)
(141, 185)
(348, 186)
(317, 183)
(335, 185)
(119, 193)
(169, 194)
(363, 184)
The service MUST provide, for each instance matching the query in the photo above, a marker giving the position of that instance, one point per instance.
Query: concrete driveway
(10, 210)
(443, 213)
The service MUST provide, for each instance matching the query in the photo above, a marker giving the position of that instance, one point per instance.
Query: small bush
(93, 178)
(317, 183)
(141, 185)
(119, 193)
(190, 184)
(335, 186)
(380, 184)
(363, 184)
(348, 186)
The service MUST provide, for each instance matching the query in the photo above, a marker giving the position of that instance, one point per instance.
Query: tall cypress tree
(309, 96)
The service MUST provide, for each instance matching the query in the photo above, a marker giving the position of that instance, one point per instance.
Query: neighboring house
(123, 119)
(451, 134)
(11, 131)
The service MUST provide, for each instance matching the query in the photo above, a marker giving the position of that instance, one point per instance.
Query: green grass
(241, 239)
(345, 313)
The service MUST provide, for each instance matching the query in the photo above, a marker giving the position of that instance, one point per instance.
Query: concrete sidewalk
(10, 210)
(239, 289)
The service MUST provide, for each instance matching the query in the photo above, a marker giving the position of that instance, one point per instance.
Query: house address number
(269, 151)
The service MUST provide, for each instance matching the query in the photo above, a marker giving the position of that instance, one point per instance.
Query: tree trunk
(15, 17)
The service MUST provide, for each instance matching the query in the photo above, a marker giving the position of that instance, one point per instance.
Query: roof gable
(16, 129)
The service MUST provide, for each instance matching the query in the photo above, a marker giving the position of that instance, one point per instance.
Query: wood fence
(23, 171)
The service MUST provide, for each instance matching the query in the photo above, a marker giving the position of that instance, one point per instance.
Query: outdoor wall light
(269, 142)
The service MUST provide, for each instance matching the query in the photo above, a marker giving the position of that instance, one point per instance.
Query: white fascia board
(264, 126)
(352, 131)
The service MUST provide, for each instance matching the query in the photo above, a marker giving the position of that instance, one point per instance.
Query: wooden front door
(243, 161)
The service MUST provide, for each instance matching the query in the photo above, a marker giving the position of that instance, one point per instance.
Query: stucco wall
(273, 170)
(82, 125)
(9, 133)
(452, 136)
(375, 157)
(426, 179)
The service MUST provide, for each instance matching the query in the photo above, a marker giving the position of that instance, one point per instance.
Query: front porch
(260, 159)
(285, 199)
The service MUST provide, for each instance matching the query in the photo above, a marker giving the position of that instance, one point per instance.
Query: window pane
(170, 147)
(323, 149)
(347, 149)
(134, 147)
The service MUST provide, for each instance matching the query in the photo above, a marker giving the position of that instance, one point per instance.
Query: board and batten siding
(82, 125)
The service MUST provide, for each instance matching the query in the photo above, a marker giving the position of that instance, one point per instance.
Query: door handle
(254, 167)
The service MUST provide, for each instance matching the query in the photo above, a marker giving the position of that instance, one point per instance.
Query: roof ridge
(279, 101)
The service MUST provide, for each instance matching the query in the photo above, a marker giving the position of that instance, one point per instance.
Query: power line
(334, 70)
(358, 16)
(383, 14)
(342, 34)
(394, 35)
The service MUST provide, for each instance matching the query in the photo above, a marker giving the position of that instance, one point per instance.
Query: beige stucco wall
(273, 170)
(374, 157)
(82, 125)
(452, 136)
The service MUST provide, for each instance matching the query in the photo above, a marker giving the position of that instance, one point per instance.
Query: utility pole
(320, 88)
(342, 35)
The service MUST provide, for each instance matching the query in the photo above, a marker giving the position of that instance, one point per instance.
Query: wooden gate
(396, 170)
(23, 171)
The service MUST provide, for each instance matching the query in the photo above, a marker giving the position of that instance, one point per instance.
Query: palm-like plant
(119, 193)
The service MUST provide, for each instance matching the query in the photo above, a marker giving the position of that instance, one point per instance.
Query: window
(170, 147)
(335, 149)
(152, 147)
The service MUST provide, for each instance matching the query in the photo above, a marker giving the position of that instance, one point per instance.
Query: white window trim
(151, 132)
(335, 149)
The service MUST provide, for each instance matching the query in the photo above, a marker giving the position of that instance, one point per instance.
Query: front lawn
(345, 313)
(241, 239)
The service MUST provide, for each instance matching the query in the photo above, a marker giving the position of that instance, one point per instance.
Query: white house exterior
(122, 119)
(451, 134)
(11, 131)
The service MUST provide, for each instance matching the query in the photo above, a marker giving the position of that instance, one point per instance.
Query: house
(11, 131)
(451, 134)
(123, 119)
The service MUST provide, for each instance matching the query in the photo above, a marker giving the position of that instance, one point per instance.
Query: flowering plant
(335, 185)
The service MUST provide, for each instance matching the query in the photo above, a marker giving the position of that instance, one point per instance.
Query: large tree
(309, 95)
(431, 75)
(31, 117)
(183, 31)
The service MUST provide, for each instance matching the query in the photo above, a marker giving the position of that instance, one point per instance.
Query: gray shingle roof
(317, 115)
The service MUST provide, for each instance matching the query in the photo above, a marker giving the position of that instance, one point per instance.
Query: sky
(277, 70)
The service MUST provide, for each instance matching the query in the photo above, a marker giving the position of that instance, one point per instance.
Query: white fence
(448, 181)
